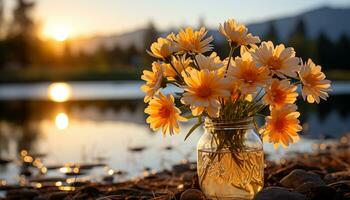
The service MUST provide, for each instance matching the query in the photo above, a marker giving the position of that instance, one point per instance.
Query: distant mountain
(331, 21)
(125, 40)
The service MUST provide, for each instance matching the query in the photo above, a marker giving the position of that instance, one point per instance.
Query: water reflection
(59, 92)
(114, 132)
(62, 120)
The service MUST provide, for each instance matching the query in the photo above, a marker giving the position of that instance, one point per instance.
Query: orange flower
(237, 33)
(193, 41)
(245, 49)
(282, 126)
(163, 48)
(280, 60)
(202, 91)
(163, 114)
(211, 62)
(153, 80)
(248, 76)
(314, 84)
(280, 93)
(179, 63)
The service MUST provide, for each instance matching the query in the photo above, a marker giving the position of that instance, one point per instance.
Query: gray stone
(299, 176)
(22, 194)
(337, 176)
(322, 193)
(188, 176)
(280, 193)
(306, 187)
(341, 186)
(57, 195)
(192, 194)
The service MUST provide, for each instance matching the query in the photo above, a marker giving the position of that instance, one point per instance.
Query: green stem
(178, 74)
(229, 57)
(232, 49)
(183, 68)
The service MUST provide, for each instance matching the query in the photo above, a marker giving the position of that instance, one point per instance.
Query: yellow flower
(314, 84)
(153, 80)
(193, 41)
(282, 126)
(280, 60)
(211, 62)
(163, 114)
(179, 63)
(237, 33)
(245, 49)
(203, 90)
(247, 75)
(280, 93)
(163, 48)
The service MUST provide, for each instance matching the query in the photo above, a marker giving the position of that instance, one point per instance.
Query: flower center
(164, 112)
(250, 77)
(310, 80)
(204, 91)
(274, 62)
(280, 125)
(279, 96)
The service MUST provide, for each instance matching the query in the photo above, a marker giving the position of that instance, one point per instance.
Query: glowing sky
(87, 17)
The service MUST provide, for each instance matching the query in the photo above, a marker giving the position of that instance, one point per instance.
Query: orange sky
(87, 17)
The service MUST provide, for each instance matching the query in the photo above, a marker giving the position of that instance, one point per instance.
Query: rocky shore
(324, 174)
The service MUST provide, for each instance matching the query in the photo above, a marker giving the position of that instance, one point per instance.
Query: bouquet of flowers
(263, 75)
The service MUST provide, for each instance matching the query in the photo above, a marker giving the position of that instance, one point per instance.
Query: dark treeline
(331, 55)
(21, 48)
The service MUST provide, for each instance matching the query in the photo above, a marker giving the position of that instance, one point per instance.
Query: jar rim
(245, 123)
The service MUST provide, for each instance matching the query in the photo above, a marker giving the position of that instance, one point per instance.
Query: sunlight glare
(62, 121)
(59, 33)
(59, 92)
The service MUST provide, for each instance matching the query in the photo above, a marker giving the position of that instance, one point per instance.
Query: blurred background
(70, 77)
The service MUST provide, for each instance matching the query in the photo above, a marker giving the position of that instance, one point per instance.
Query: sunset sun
(57, 32)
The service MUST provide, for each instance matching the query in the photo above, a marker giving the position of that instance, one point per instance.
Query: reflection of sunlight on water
(86, 140)
(59, 92)
(62, 121)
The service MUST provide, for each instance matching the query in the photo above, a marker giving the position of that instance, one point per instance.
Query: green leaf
(194, 127)
(189, 116)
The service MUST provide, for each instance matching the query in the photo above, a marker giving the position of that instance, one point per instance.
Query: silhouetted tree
(271, 34)
(116, 56)
(132, 56)
(22, 33)
(151, 36)
(343, 49)
(325, 52)
(67, 56)
(99, 59)
(304, 47)
(22, 23)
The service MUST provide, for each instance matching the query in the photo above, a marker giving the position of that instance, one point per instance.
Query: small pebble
(192, 194)
(299, 176)
(279, 193)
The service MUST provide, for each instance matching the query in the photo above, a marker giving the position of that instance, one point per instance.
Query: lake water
(104, 121)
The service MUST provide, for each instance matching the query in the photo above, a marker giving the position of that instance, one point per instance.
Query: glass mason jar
(230, 160)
